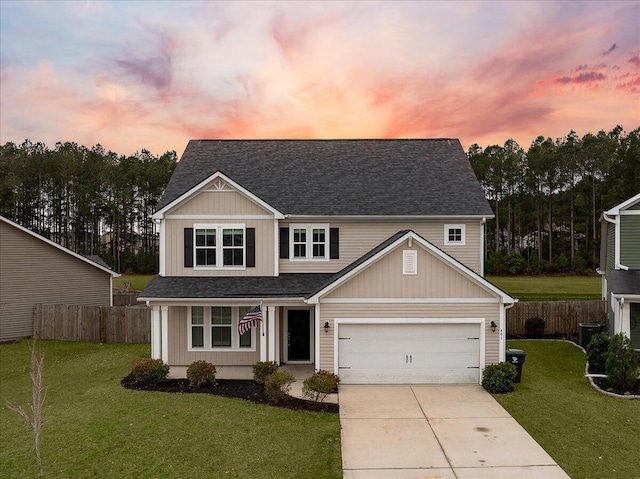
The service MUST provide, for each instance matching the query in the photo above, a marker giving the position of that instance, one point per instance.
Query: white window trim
(309, 243)
(219, 248)
(235, 337)
(462, 228)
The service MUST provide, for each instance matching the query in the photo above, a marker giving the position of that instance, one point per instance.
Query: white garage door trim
(363, 321)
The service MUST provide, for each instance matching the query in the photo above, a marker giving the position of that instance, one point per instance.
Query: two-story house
(366, 257)
(620, 267)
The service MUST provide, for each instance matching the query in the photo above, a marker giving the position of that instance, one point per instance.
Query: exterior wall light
(326, 326)
(493, 326)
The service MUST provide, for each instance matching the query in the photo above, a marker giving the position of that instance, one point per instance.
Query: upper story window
(219, 246)
(454, 234)
(309, 242)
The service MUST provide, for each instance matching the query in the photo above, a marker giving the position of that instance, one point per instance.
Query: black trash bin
(586, 331)
(517, 358)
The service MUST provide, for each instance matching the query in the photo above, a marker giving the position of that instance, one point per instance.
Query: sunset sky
(133, 75)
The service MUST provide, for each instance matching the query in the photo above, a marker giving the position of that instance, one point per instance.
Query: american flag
(250, 320)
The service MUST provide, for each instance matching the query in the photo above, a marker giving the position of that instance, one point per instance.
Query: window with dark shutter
(284, 243)
(188, 247)
(334, 243)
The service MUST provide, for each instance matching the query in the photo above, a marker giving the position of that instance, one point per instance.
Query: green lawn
(138, 281)
(589, 434)
(549, 288)
(95, 428)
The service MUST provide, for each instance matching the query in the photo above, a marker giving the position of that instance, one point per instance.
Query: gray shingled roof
(293, 285)
(340, 177)
(625, 282)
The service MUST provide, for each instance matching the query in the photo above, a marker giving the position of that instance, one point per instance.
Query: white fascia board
(505, 298)
(378, 218)
(60, 247)
(624, 205)
(160, 213)
(225, 301)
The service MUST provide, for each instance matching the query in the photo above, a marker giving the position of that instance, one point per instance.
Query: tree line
(92, 201)
(547, 200)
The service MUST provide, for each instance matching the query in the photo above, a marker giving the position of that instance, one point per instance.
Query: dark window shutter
(334, 243)
(250, 234)
(188, 247)
(284, 243)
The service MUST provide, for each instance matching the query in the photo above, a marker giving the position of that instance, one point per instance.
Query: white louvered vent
(409, 261)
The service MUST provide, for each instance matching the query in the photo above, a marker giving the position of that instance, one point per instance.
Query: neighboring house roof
(97, 259)
(105, 268)
(339, 177)
(625, 283)
(292, 285)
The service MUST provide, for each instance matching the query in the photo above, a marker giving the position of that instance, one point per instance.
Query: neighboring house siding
(328, 312)
(179, 355)
(226, 202)
(357, 238)
(630, 241)
(385, 279)
(264, 244)
(36, 272)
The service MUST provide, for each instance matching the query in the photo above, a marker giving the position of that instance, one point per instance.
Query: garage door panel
(409, 353)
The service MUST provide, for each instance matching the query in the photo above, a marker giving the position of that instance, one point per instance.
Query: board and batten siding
(179, 354)
(224, 202)
(359, 237)
(630, 240)
(174, 247)
(35, 272)
(330, 311)
(385, 279)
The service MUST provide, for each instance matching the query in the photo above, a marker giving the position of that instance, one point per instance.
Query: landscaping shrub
(149, 371)
(498, 378)
(534, 327)
(622, 362)
(597, 351)
(201, 373)
(263, 369)
(320, 385)
(278, 385)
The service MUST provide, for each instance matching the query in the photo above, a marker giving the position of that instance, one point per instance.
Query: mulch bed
(232, 388)
(603, 384)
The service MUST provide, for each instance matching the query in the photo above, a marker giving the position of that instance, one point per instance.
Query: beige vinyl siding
(228, 202)
(630, 241)
(174, 247)
(385, 279)
(359, 237)
(179, 354)
(33, 271)
(329, 311)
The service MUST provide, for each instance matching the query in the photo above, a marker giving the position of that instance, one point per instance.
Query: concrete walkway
(447, 432)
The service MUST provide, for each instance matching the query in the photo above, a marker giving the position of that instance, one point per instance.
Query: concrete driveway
(447, 432)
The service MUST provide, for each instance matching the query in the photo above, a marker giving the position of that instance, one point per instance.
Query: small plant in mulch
(263, 369)
(147, 371)
(201, 373)
(277, 386)
(320, 385)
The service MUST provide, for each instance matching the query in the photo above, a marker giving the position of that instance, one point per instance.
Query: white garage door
(409, 353)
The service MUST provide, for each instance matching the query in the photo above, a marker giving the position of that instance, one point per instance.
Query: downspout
(503, 330)
(483, 222)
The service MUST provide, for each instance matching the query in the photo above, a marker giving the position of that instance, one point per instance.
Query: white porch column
(263, 335)
(155, 332)
(317, 327)
(272, 333)
(165, 333)
(277, 329)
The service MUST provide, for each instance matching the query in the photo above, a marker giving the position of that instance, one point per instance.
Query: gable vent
(409, 261)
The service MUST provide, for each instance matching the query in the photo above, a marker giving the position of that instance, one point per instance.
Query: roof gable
(61, 248)
(396, 241)
(338, 177)
(625, 205)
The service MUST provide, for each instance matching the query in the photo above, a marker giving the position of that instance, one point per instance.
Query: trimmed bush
(147, 371)
(320, 385)
(534, 327)
(622, 362)
(498, 378)
(201, 373)
(278, 385)
(263, 369)
(597, 351)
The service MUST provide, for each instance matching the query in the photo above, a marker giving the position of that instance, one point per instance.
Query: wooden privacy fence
(561, 318)
(126, 299)
(104, 324)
